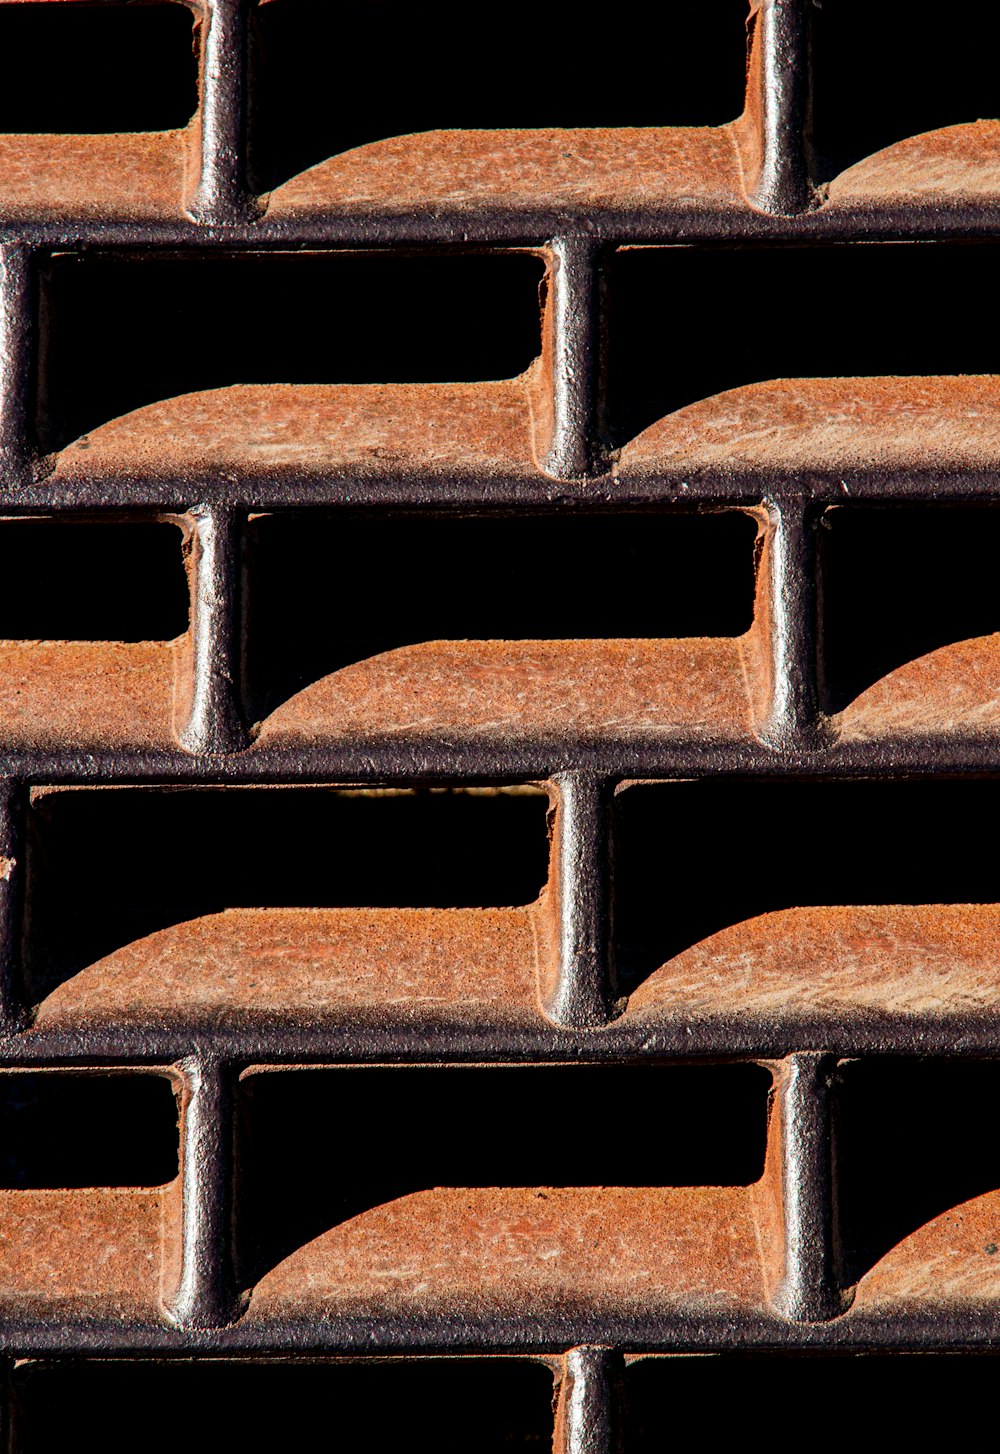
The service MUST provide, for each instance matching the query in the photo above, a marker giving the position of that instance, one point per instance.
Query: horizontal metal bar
(411, 488)
(296, 1039)
(973, 1327)
(428, 758)
(937, 218)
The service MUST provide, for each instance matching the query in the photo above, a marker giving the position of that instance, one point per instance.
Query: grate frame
(794, 740)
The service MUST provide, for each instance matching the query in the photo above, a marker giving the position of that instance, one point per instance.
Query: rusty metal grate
(468, 846)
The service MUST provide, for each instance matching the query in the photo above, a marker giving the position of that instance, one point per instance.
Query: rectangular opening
(880, 74)
(683, 66)
(328, 592)
(685, 854)
(72, 580)
(913, 1139)
(899, 1399)
(60, 1129)
(499, 1405)
(900, 583)
(157, 857)
(97, 68)
(699, 313)
(121, 332)
(399, 1130)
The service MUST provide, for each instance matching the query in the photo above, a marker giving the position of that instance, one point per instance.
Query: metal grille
(577, 1040)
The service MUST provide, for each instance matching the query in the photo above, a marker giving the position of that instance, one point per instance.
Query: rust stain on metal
(444, 1253)
(508, 171)
(341, 966)
(952, 1259)
(957, 165)
(304, 429)
(91, 178)
(142, 178)
(794, 964)
(103, 695)
(88, 693)
(488, 687)
(827, 427)
(953, 689)
(87, 1253)
(289, 432)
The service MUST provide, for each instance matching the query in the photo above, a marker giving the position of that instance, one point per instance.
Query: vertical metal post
(206, 1295)
(783, 108)
(215, 721)
(576, 349)
(795, 720)
(583, 990)
(588, 1414)
(16, 340)
(10, 1422)
(12, 876)
(221, 193)
(810, 1290)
